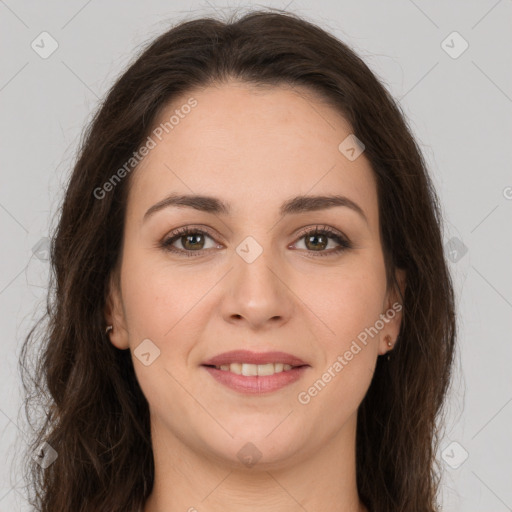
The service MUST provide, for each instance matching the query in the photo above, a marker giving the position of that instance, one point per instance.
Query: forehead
(253, 147)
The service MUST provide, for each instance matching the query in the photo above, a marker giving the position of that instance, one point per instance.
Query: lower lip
(256, 384)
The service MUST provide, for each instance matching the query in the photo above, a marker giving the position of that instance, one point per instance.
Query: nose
(257, 293)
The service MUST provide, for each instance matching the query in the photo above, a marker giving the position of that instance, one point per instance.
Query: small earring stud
(109, 328)
(388, 341)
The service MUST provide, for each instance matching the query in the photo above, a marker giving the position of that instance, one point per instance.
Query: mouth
(256, 373)
(253, 370)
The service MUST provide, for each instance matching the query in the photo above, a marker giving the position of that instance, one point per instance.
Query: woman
(251, 309)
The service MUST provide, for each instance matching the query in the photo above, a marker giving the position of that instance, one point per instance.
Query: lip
(246, 356)
(256, 384)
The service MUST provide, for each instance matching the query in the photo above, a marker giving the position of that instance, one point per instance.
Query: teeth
(251, 370)
(266, 369)
(235, 368)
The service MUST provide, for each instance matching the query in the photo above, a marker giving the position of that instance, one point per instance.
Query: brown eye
(191, 241)
(317, 241)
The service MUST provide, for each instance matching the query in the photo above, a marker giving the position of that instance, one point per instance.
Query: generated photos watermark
(304, 397)
(151, 142)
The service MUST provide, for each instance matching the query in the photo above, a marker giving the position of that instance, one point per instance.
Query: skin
(254, 149)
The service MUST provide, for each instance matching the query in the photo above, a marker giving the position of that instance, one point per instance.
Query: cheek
(346, 300)
(148, 299)
(349, 305)
(154, 292)
(161, 305)
(165, 304)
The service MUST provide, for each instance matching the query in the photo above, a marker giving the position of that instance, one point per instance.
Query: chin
(263, 447)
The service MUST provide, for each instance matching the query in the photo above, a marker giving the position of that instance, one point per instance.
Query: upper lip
(246, 356)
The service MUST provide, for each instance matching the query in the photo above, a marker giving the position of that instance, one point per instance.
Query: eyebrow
(295, 205)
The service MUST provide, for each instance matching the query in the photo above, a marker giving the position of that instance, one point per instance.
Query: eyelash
(345, 244)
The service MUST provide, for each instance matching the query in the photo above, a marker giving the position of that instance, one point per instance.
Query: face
(253, 276)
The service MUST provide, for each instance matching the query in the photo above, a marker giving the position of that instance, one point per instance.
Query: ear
(392, 313)
(114, 313)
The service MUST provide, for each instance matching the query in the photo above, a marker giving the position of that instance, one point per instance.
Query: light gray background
(458, 108)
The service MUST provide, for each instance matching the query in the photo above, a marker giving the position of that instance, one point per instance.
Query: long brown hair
(95, 415)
